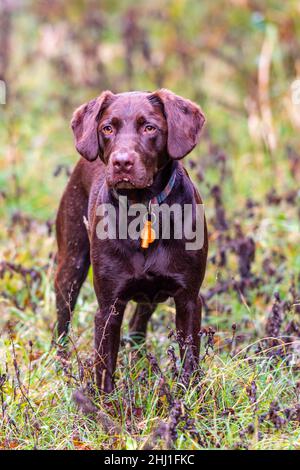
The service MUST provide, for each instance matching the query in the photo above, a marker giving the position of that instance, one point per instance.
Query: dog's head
(136, 133)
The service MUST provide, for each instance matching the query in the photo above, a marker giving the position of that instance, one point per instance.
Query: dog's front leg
(108, 322)
(188, 324)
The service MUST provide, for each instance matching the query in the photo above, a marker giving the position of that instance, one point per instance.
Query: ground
(245, 394)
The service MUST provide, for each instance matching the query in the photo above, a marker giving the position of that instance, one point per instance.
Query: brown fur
(139, 137)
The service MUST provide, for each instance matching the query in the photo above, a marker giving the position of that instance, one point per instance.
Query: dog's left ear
(85, 125)
(185, 121)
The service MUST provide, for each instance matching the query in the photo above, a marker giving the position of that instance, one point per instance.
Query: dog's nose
(122, 161)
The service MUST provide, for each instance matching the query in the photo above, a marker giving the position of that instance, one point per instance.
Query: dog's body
(133, 133)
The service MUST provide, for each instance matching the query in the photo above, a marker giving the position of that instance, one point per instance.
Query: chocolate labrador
(131, 144)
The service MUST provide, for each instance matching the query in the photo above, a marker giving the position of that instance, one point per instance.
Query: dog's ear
(84, 124)
(185, 121)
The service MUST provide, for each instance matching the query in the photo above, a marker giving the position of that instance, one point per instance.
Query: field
(239, 64)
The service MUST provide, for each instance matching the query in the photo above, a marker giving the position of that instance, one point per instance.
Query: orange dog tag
(147, 234)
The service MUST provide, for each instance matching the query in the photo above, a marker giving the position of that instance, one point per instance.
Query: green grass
(38, 411)
(246, 392)
(217, 412)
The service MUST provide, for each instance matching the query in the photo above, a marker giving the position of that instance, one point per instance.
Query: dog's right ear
(84, 124)
(185, 120)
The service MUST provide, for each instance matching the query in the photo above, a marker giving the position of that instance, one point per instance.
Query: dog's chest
(154, 278)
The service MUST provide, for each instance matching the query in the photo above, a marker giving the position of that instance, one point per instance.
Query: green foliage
(64, 53)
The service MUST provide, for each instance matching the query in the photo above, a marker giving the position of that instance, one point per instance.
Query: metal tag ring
(145, 218)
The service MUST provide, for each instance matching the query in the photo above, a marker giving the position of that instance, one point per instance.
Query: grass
(217, 411)
(246, 392)
(230, 404)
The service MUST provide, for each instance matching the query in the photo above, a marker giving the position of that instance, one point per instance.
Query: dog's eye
(149, 129)
(107, 130)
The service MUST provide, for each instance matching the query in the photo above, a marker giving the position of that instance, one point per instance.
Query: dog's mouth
(126, 183)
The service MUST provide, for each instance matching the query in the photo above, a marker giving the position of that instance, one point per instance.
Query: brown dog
(131, 144)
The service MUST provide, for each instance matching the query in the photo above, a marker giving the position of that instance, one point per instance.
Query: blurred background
(236, 58)
(239, 59)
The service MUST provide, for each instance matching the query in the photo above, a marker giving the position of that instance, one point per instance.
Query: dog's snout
(122, 161)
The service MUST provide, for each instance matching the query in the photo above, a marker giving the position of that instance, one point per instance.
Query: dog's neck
(160, 181)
